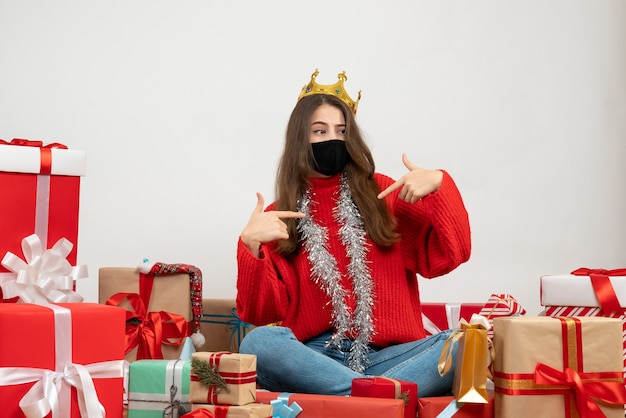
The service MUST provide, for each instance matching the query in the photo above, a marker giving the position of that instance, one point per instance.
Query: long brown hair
(296, 167)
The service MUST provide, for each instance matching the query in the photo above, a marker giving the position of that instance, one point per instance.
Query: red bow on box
(602, 287)
(149, 330)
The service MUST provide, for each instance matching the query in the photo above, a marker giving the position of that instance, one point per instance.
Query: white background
(182, 105)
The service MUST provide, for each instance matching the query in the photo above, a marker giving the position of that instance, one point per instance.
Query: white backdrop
(181, 107)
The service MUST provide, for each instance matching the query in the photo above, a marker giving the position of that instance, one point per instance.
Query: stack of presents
(153, 346)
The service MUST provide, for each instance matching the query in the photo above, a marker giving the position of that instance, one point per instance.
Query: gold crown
(332, 89)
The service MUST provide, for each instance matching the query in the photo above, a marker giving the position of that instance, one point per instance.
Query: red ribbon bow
(603, 288)
(220, 412)
(149, 330)
(45, 165)
(585, 386)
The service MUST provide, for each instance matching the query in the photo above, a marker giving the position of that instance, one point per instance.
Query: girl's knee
(259, 337)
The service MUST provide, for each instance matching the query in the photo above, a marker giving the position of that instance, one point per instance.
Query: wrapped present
(66, 360)
(158, 388)
(447, 406)
(251, 410)
(222, 328)
(222, 378)
(41, 190)
(323, 406)
(384, 387)
(438, 317)
(586, 292)
(164, 304)
(500, 305)
(558, 367)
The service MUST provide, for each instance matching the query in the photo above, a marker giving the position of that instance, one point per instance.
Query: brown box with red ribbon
(162, 309)
(587, 292)
(558, 367)
(222, 378)
(40, 186)
(384, 387)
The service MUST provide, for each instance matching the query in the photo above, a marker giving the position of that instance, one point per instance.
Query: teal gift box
(158, 388)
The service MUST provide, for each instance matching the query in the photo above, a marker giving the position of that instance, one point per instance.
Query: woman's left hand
(415, 184)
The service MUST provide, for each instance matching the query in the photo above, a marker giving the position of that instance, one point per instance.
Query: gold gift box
(237, 379)
(591, 349)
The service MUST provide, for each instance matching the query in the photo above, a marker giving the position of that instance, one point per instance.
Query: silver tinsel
(325, 273)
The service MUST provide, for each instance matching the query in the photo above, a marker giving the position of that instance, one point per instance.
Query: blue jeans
(285, 364)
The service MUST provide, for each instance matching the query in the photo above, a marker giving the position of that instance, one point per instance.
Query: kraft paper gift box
(40, 188)
(251, 410)
(80, 346)
(158, 388)
(558, 367)
(438, 317)
(172, 302)
(222, 378)
(447, 406)
(384, 387)
(324, 406)
(222, 328)
(586, 292)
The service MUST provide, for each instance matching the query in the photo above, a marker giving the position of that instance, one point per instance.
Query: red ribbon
(585, 388)
(45, 165)
(603, 288)
(219, 412)
(149, 330)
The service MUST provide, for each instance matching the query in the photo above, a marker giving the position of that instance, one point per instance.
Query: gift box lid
(22, 158)
(574, 290)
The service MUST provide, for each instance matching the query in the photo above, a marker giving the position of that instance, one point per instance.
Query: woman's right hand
(266, 226)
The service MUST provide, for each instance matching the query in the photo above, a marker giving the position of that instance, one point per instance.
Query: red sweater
(435, 239)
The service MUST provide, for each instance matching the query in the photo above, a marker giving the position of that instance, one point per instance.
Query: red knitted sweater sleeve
(435, 231)
(261, 295)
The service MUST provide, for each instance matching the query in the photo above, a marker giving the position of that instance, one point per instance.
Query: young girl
(334, 260)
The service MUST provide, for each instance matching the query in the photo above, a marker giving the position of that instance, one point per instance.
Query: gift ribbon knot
(584, 386)
(603, 288)
(43, 276)
(148, 331)
(282, 409)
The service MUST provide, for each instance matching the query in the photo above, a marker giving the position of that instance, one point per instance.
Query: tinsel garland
(325, 273)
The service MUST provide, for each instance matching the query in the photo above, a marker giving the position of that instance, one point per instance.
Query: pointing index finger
(394, 186)
(288, 214)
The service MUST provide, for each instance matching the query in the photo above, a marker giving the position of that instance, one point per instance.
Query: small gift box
(324, 406)
(500, 305)
(222, 328)
(438, 317)
(158, 388)
(66, 360)
(558, 367)
(251, 410)
(384, 387)
(448, 406)
(40, 188)
(164, 303)
(222, 378)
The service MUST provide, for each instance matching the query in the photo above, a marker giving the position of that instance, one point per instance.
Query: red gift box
(324, 406)
(431, 407)
(75, 345)
(384, 387)
(40, 188)
(439, 317)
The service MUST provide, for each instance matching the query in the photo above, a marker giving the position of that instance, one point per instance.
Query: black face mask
(330, 156)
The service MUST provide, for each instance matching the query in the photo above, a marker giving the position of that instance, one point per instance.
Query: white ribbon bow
(45, 276)
(43, 396)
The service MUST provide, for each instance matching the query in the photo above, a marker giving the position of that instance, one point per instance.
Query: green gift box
(158, 388)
